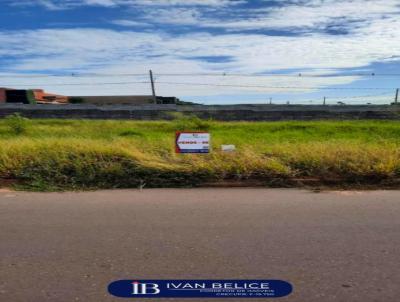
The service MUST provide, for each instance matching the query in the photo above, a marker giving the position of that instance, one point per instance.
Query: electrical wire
(358, 96)
(205, 84)
(223, 74)
(77, 84)
(275, 87)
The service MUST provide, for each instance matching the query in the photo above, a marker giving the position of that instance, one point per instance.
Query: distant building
(44, 97)
(123, 100)
(30, 96)
(39, 96)
(3, 96)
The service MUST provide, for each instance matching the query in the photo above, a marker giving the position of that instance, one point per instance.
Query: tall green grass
(81, 154)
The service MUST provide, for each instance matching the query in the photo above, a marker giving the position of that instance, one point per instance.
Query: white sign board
(192, 142)
(228, 148)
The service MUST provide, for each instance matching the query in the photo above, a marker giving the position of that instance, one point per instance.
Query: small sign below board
(192, 142)
(228, 148)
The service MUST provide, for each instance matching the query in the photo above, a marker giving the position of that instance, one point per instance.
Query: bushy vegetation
(191, 123)
(81, 154)
(16, 123)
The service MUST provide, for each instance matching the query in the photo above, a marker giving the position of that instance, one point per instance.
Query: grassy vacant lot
(82, 154)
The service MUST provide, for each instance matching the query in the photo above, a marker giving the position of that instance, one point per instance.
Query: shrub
(191, 122)
(17, 123)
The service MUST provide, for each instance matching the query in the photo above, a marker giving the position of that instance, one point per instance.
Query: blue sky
(209, 51)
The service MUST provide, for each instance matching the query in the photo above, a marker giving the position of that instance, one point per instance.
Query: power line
(71, 75)
(297, 75)
(204, 84)
(359, 96)
(276, 87)
(79, 84)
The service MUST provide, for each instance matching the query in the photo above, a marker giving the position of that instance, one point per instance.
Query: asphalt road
(332, 246)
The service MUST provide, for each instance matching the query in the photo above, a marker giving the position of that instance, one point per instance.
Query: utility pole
(153, 89)
(396, 99)
(324, 100)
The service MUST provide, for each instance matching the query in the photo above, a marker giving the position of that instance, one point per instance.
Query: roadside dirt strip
(331, 246)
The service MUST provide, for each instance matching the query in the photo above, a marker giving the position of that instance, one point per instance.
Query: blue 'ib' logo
(145, 288)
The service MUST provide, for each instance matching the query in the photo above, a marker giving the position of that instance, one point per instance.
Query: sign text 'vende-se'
(192, 142)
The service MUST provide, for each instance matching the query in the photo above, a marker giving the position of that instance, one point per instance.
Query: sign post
(192, 142)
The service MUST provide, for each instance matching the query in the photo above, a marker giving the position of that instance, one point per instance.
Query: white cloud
(303, 15)
(94, 50)
(129, 23)
(181, 2)
(375, 39)
(107, 3)
(315, 15)
(68, 4)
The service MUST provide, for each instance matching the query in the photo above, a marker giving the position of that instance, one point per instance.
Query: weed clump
(17, 124)
(190, 123)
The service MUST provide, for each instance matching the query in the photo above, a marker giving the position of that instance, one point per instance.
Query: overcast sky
(229, 39)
